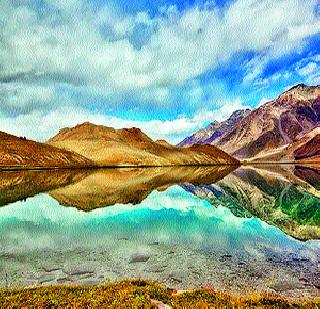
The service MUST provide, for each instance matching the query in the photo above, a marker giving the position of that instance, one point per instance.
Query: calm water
(243, 230)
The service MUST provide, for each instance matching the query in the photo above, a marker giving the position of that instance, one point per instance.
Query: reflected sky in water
(218, 223)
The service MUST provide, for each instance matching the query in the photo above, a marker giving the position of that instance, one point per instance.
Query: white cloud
(263, 101)
(17, 98)
(74, 45)
(69, 46)
(307, 69)
(40, 125)
(315, 58)
(259, 83)
(287, 75)
(314, 79)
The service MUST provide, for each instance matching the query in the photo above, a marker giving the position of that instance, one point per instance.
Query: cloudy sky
(166, 66)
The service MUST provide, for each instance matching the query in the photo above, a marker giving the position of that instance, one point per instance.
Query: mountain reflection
(95, 188)
(186, 227)
(285, 196)
(20, 185)
(107, 187)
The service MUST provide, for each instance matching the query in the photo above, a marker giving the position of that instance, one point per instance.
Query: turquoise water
(183, 235)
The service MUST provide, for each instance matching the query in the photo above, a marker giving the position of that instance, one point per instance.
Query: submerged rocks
(139, 258)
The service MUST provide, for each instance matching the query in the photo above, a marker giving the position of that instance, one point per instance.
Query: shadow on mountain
(272, 196)
(106, 187)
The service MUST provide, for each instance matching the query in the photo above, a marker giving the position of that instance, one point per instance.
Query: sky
(169, 67)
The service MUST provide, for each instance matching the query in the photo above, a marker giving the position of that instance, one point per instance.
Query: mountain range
(215, 129)
(90, 145)
(285, 129)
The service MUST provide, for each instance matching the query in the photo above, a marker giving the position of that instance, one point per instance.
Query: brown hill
(130, 147)
(17, 152)
(163, 142)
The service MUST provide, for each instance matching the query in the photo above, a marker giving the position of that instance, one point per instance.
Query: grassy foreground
(135, 294)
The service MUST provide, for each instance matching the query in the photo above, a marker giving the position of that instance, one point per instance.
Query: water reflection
(95, 188)
(186, 227)
(275, 195)
(107, 187)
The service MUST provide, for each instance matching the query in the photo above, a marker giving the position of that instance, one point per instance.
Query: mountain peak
(215, 129)
(239, 113)
(247, 134)
(300, 91)
(300, 86)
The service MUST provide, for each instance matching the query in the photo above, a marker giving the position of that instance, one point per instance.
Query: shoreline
(40, 168)
(18, 168)
(140, 292)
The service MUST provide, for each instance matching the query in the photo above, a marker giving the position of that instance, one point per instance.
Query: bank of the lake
(139, 294)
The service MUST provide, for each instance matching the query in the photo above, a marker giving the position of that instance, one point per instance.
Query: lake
(243, 230)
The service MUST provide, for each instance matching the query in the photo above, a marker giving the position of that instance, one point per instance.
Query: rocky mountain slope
(309, 151)
(297, 151)
(215, 129)
(273, 127)
(131, 147)
(22, 153)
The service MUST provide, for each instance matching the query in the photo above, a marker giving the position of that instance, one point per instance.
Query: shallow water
(250, 229)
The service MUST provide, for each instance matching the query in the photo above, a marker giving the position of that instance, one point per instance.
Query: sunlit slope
(131, 147)
(23, 153)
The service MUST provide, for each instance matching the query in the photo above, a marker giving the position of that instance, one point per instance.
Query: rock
(64, 280)
(139, 258)
(173, 278)
(51, 269)
(78, 272)
(160, 305)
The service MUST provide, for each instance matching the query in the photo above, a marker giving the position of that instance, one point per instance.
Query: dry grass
(136, 294)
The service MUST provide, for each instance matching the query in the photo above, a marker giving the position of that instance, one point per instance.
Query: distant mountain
(107, 146)
(18, 152)
(274, 126)
(215, 129)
